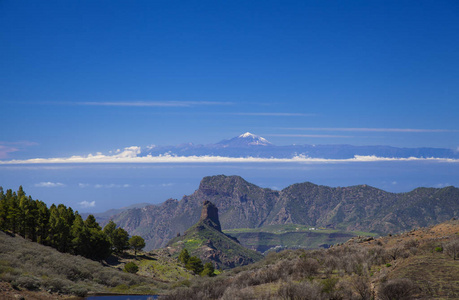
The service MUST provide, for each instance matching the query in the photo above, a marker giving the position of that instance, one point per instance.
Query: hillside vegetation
(44, 271)
(419, 264)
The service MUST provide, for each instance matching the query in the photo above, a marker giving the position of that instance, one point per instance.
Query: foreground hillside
(245, 205)
(41, 272)
(419, 264)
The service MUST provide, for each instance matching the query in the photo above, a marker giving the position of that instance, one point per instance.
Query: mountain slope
(245, 205)
(402, 266)
(40, 272)
(206, 240)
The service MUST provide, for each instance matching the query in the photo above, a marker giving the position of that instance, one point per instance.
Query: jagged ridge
(245, 205)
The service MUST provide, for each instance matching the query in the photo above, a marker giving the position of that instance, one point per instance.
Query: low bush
(27, 282)
(131, 267)
(303, 291)
(400, 289)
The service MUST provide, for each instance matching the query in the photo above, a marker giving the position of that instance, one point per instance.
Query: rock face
(244, 205)
(209, 215)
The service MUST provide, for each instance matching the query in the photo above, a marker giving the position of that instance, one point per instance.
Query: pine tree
(3, 210)
(13, 211)
(208, 270)
(194, 264)
(92, 223)
(120, 240)
(118, 237)
(42, 222)
(184, 256)
(137, 243)
(81, 237)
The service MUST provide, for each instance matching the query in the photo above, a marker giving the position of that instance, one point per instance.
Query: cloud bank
(130, 155)
(373, 129)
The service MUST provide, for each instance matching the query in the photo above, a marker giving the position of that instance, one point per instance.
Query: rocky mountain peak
(209, 215)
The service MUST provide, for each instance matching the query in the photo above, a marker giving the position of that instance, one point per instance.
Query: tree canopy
(137, 243)
(59, 227)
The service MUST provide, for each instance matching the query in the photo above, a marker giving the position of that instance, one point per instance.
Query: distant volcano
(251, 145)
(245, 140)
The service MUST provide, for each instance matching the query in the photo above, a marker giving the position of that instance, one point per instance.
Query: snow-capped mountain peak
(248, 134)
(247, 139)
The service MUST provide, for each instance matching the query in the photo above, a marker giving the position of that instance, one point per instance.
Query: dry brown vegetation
(420, 264)
(404, 266)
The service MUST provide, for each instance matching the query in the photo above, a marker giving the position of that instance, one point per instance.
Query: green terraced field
(291, 236)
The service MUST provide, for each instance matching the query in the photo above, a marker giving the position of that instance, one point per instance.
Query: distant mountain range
(245, 205)
(248, 144)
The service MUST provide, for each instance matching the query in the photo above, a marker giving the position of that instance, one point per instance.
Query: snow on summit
(248, 134)
(254, 139)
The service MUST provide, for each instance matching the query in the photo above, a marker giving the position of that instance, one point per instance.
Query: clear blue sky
(79, 77)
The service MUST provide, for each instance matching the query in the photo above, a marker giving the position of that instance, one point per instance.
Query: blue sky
(80, 77)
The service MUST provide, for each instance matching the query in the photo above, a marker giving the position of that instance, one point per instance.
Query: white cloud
(5, 150)
(130, 157)
(110, 186)
(83, 185)
(144, 103)
(132, 151)
(86, 204)
(273, 114)
(49, 184)
(311, 135)
(372, 129)
(442, 185)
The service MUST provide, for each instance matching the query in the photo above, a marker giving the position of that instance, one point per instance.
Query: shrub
(27, 282)
(361, 285)
(79, 290)
(236, 293)
(56, 285)
(410, 244)
(328, 285)
(304, 290)
(452, 248)
(400, 289)
(438, 249)
(307, 266)
(131, 267)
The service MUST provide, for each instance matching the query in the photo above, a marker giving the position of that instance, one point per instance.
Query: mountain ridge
(244, 205)
(249, 144)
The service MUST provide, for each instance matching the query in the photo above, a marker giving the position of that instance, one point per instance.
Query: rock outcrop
(206, 240)
(209, 215)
